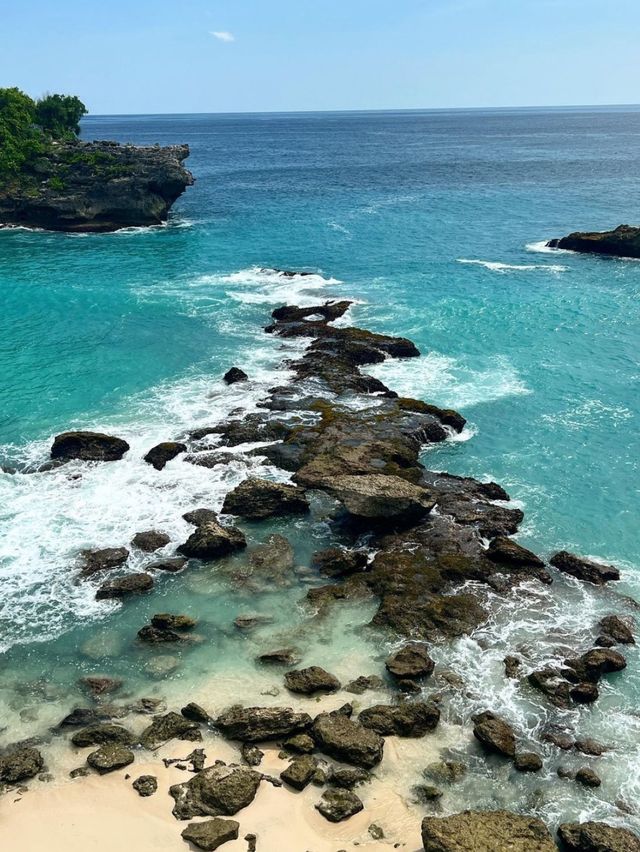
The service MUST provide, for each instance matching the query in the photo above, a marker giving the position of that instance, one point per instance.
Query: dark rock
(273, 559)
(311, 680)
(249, 620)
(446, 771)
(447, 416)
(427, 793)
(349, 778)
(381, 498)
(211, 541)
(100, 685)
(211, 460)
(410, 661)
(83, 716)
(597, 837)
(169, 727)
(171, 565)
(168, 621)
(257, 724)
(199, 517)
(486, 831)
(218, 790)
(300, 771)
(300, 743)
(490, 520)
(261, 498)
(88, 446)
(507, 553)
(590, 746)
(584, 693)
(587, 777)
(595, 663)
(557, 737)
(110, 757)
(464, 487)
(251, 755)
(494, 734)
(103, 560)
(159, 455)
(102, 735)
(80, 772)
(617, 629)
(251, 428)
(338, 805)
(145, 785)
(235, 374)
(195, 713)
(155, 636)
(409, 719)
(330, 311)
(584, 569)
(528, 761)
(337, 562)
(363, 683)
(19, 764)
(150, 540)
(131, 584)
(280, 657)
(212, 833)
(339, 737)
(512, 666)
(550, 682)
(624, 241)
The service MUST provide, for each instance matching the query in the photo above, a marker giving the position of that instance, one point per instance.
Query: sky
(156, 56)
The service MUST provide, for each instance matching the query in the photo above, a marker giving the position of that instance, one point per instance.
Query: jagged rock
(260, 498)
(494, 734)
(507, 553)
(19, 764)
(363, 683)
(211, 460)
(251, 428)
(195, 713)
(198, 517)
(110, 757)
(218, 790)
(330, 311)
(587, 777)
(102, 735)
(512, 666)
(528, 761)
(597, 837)
(150, 540)
(617, 629)
(338, 805)
(623, 241)
(557, 737)
(131, 584)
(159, 455)
(171, 565)
(410, 661)
(169, 727)
(235, 374)
(490, 520)
(464, 487)
(486, 831)
(280, 657)
(257, 724)
(339, 737)
(300, 743)
(102, 560)
(349, 778)
(550, 682)
(162, 665)
(145, 785)
(169, 621)
(251, 755)
(212, 833)
(584, 569)
(311, 680)
(98, 685)
(300, 771)
(88, 446)
(447, 416)
(595, 663)
(211, 540)
(409, 719)
(584, 693)
(377, 497)
(337, 562)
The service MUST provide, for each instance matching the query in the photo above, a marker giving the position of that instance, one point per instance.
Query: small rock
(198, 517)
(211, 540)
(159, 455)
(590, 747)
(300, 743)
(150, 540)
(80, 772)
(121, 587)
(212, 833)
(427, 793)
(110, 757)
(349, 778)
(258, 724)
(195, 713)
(20, 764)
(98, 685)
(167, 621)
(528, 761)
(446, 771)
(337, 562)
(584, 569)
(170, 565)
(311, 680)
(363, 683)
(168, 727)
(281, 657)
(235, 374)
(587, 777)
(88, 446)
(411, 661)
(409, 719)
(512, 667)
(338, 805)
(375, 831)
(145, 785)
(584, 693)
(494, 734)
(104, 559)
(300, 771)
(251, 755)
(260, 498)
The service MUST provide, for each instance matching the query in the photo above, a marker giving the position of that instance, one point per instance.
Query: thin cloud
(223, 35)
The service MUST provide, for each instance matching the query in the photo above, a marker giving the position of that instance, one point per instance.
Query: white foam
(259, 285)
(496, 266)
(542, 248)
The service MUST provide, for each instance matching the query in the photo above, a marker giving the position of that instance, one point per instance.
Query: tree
(20, 139)
(59, 115)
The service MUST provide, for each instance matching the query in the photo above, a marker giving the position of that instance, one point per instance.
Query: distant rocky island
(50, 179)
(623, 241)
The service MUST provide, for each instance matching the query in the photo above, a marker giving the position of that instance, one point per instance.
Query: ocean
(435, 223)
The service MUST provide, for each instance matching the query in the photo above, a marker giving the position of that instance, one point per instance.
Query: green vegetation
(28, 127)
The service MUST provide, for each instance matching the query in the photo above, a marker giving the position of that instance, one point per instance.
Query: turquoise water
(434, 222)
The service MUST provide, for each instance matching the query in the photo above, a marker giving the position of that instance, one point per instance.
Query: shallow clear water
(434, 221)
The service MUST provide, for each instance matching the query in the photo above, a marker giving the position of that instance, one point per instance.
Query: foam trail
(496, 266)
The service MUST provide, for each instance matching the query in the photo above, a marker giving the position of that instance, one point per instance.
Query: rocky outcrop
(88, 446)
(310, 681)
(211, 833)
(218, 790)
(19, 764)
(624, 241)
(339, 737)
(98, 186)
(260, 498)
(211, 541)
(235, 375)
(258, 724)
(486, 831)
(378, 498)
(596, 837)
(584, 569)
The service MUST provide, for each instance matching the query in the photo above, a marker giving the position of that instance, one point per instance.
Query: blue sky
(148, 57)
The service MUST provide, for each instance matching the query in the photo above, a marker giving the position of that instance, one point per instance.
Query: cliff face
(96, 186)
(624, 241)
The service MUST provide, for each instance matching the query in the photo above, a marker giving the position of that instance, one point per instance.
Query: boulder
(584, 569)
(280, 657)
(338, 562)
(410, 661)
(446, 771)
(110, 757)
(510, 555)
(363, 683)
(102, 560)
(617, 629)
(88, 446)
(102, 734)
(590, 746)
(20, 763)
(150, 540)
(198, 517)
(257, 724)
(171, 565)
(156, 636)
(494, 734)
(594, 664)
(310, 681)
(512, 666)
(212, 833)
(145, 785)
(169, 621)
(409, 719)
(376, 497)
(338, 805)
(584, 693)
(597, 837)
(528, 761)
(195, 713)
(587, 777)
(300, 771)
(121, 587)
(169, 727)
(349, 778)
(350, 742)
(486, 831)
(211, 541)
(260, 498)
(234, 375)
(623, 241)
(218, 790)
(159, 455)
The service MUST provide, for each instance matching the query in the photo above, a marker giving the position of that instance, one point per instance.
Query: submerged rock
(363, 683)
(584, 569)
(486, 831)
(88, 446)
(338, 805)
(339, 737)
(121, 587)
(211, 541)
(20, 764)
(597, 837)
(168, 727)
(212, 833)
(169, 621)
(218, 790)
(311, 680)
(528, 761)
(409, 719)
(159, 455)
(100, 684)
(273, 559)
(110, 757)
(280, 657)
(260, 498)
(257, 724)
(623, 241)
(338, 562)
